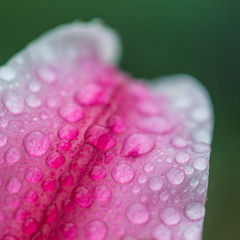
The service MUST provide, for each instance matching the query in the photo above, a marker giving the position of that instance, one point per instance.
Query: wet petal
(87, 152)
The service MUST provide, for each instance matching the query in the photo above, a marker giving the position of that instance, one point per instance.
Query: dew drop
(31, 196)
(51, 213)
(64, 145)
(164, 196)
(137, 144)
(96, 230)
(137, 213)
(7, 74)
(170, 216)
(123, 173)
(47, 74)
(33, 101)
(83, 197)
(148, 167)
(36, 143)
(14, 201)
(68, 230)
(116, 124)
(161, 233)
(13, 185)
(48, 184)
(68, 132)
(71, 112)
(97, 173)
(12, 155)
(33, 174)
(30, 226)
(13, 102)
(192, 232)
(175, 176)
(142, 178)
(155, 183)
(34, 86)
(200, 163)
(66, 179)
(3, 140)
(179, 142)
(102, 193)
(55, 160)
(194, 211)
(182, 157)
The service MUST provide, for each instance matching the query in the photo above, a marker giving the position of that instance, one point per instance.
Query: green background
(199, 37)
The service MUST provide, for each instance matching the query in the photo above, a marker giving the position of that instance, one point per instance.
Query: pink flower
(87, 152)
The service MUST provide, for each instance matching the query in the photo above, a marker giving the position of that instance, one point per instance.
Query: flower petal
(89, 153)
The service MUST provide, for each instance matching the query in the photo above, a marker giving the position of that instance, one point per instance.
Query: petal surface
(87, 152)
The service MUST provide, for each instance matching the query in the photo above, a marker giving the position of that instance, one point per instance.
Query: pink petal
(89, 153)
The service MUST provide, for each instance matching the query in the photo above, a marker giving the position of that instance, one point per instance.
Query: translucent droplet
(51, 213)
(182, 157)
(31, 196)
(194, 211)
(161, 233)
(142, 178)
(137, 213)
(71, 112)
(36, 143)
(116, 124)
(33, 174)
(66, 179)
(33, 101)
(164, 196)
(68, 132)
(155, 183)
(68, 230)
(47, 74)
(137, 144)
(123, 173)
(13, 185)
(148, 167)
(97, 173)
(192, 232)
(200, 163)
(3, 140)
(7, 74)
(194, 182)
(30, 226)
(83, 197)
(175, 176)
(102, 193)
(14, 201)
(48, 184)
(170, 216)
(179, 142)
(13, 102)
(12, 155)
(96, 230)
(34, 86)
(55, 160)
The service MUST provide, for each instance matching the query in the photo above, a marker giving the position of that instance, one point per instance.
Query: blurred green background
(199, 37)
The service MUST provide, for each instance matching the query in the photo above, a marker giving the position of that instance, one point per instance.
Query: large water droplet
(155, 183)
(192, 232)
(123, 173)
(55, 160)
(68, 132)
(137, 144)
(102, 193)
(13, 185)
(194, 211)
(12, 155)
(200, 163)
(182, 157)
(83, 197)
(96, 230)
(7, 74)
(170, 216)
(48, 184)
(175, 176)
(13, 102)
(97, 173)
(36, 143)
(71, 112)
(33, 174)
(137, 213)
(47, 74)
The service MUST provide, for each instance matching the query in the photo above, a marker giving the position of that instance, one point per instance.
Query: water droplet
(96, 230)
(21, 214)
(161, 233)
(83, 197)
(97, 173)
(68, 205)
(189, 170)
(71, 112)
(13, 102)
(3, 140)
(51, 213)
(31, 196)
(33, 101)
(155, 124)
(137, 213)
(34, 86)
(68, 132)
(3, 122)
(64, 145)
(194, 182)
(148, 167)
(192, 232)
(201, 148)
(155, 183)
(123, 173)
(66, 179)
(200, 114)
(7, 73)
(200, 163)
(182, 157)
(164, 196)
(175, 176)
(55, 160)
(116, 124)
(194, 211)
(48, 184)
(102, 193)
(33, 174)
(14, 201)
(47, 74)
(36, 143)
(137, 144)
(179, 142)
(12, 155)
(91, 94)
(13, 185)
(170, 216)
(142, 178)
(30, 226)
(68, 230)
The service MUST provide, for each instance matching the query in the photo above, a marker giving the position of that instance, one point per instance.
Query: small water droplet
(182, 157)
(71, 112)
(36, 143)
(137, 213)
(192, 232)
(96, 230)
(142, 178)
(164, 196)
(12, 155)
(3, 140)
(31, 196)
(33, 174)
(13, 185)
(194, 211)
(68, 132)
(66, 179)
(14, 201)
(51, 213)
(179, 142)
(123, 173)
(161, 233)
(7, 73)
(175, 176)
(200, 163)
(148, 167)
(170, 216)
(13, 102)
(34, 86)
(116, 124)
(102, 193)
(30, 226)
(55, 160)
(155, 183)
(33, 101)
(68, 230)
(47, 74)
(97, 173)
(83, 197)
(48, 184)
